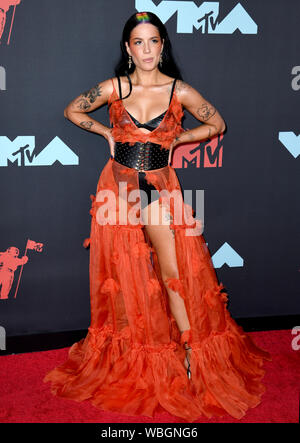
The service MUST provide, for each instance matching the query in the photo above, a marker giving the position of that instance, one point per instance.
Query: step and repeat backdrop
(242, 56)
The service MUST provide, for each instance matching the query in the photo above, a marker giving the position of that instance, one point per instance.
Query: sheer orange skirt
(132, 359)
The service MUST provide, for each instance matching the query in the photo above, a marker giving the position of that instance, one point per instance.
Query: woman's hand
(109, 137)
(174, 143)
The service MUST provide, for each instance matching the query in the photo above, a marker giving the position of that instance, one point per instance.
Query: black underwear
(149, 190)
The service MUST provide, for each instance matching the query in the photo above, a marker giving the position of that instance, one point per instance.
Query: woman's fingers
(170, 155)
(112, 146)
(111, 142)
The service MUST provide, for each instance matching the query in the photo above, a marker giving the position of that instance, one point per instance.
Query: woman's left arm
(202, 110)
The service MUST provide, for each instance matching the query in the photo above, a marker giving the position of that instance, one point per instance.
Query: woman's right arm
(77, 110)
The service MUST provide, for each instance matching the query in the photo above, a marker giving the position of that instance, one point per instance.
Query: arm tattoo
(86, 125)
(93, 93)
(206, 111)
(84, 101)
(82, 104)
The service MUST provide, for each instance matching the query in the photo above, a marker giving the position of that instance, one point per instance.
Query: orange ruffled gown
(132, 359)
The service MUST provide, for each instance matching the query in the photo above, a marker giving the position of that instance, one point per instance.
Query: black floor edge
(57, 340)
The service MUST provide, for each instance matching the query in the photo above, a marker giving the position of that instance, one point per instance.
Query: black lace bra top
(154, 122)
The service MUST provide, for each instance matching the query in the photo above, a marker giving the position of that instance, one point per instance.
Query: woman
(161, 338)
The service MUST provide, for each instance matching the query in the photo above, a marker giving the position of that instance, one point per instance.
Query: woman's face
(145, 46)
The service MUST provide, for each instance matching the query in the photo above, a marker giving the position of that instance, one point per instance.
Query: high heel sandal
(184, 340)
(188, 371)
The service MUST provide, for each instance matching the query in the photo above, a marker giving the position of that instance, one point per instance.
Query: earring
(129, 62)
(160, 60)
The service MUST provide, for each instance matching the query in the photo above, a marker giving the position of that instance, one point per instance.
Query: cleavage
(158, 117)
(148, 121)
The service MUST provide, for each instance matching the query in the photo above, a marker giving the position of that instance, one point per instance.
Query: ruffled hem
(138, 379)
(132, 360)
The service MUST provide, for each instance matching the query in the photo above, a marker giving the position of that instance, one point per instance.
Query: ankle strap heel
(188, 371)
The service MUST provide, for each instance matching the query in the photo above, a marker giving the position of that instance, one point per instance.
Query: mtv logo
(291, 142)
(5, 6)
(227, 255)
(204, 17)
(194, 155)
(20, 151)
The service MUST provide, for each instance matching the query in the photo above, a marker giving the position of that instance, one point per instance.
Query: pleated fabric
(132, 359)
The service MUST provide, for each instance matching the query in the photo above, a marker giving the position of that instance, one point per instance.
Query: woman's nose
(146, 47)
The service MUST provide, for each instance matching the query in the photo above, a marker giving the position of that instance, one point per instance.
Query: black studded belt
(141, 156)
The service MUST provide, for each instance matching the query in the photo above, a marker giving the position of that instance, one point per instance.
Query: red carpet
(24, 398)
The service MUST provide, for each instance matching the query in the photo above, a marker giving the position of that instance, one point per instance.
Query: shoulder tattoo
(181, 86)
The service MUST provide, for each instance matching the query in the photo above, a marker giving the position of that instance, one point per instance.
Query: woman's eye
(154, 40)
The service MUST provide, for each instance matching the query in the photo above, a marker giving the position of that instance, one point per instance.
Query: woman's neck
(145, 78)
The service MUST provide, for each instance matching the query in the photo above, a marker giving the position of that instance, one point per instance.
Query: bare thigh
(162, 238)
(163, 241)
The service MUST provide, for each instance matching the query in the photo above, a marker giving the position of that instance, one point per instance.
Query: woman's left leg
(163, 241)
